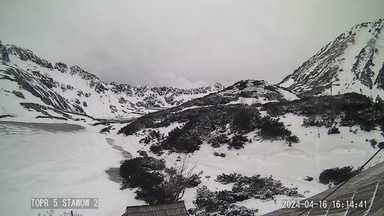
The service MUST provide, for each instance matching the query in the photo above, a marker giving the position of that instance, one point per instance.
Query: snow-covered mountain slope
(353, 62)
(259, 91)
(26, 78)
(247, 92)
(290, 140)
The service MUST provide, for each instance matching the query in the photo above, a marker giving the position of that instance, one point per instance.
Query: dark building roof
(173, 209)
(366, 190)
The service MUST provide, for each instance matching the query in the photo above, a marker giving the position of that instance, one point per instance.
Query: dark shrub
(153, 195)
(141, 172)
(157, 184)
(142, 153)
(336, 175)
(242, 85)
(333, 130)
(308, 178)
(292, 139)
(245, 119)
(217, 154)
(273, 129)
(246, 94)
(217, 141)
(228, 178)
(367, 124)
(373, 143)
(145, 140)
(156, 149)
(237, 142)
(219, 203)
(153, 136)
(179, 140)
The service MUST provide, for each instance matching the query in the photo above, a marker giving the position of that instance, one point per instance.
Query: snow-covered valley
(72, 163)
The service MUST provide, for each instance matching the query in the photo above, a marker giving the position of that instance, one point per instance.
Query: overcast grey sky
(181, 43)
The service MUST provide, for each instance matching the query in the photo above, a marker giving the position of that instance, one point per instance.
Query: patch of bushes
(246, 94)
(219, 140)
(308, 178)
(152, 137)
(292, 139)
(319, 120)
(179, 140)
(351, 108)
(156, 149)
(223, 202)
(151, 120)
(228, 178)
(382, 129)
(142, 172)
(273, 129)
(157, 184)
(245, 120)
(217, 203)
(237, 142)
(373, 142)
(336, 175)
(256, 186)
(333, 130)
(217, 154)
(211, 124)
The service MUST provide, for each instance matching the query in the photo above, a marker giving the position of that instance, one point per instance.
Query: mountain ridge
(353, 62)
(73, 90)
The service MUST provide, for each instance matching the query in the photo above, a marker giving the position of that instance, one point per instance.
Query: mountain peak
(27, 55)
(216, 87)
(353, 62)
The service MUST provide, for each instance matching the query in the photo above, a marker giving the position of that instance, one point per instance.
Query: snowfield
(40, 163)
(37, 163)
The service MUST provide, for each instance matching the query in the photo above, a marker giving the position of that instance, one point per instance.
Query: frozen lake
(13, 127)
(39, 160)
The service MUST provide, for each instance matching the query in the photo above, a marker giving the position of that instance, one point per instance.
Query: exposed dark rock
(3, 53)
(18, 94)
(379, 82)
(5, 116)
(63, 68)
(106, 129)
(28, 55)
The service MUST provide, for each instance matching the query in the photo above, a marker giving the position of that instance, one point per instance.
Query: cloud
(181, 42)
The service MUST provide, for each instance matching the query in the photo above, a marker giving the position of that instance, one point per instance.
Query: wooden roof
(367, 186)
(173, 209)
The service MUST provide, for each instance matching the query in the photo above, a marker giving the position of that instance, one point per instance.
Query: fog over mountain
(181, 43)
(251, 145)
